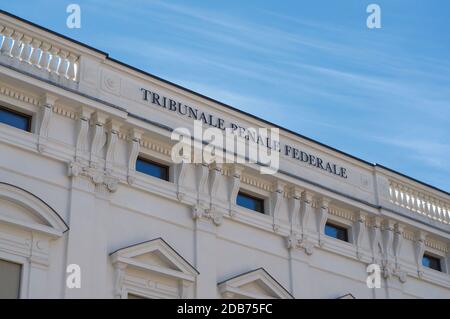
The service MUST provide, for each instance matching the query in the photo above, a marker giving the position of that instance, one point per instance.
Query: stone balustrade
(38, 52)
(419, 201)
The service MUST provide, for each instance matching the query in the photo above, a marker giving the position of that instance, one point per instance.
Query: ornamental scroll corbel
(180, 174)
(322, 216)
(113, 136)
(360, 227)
(46, 111)
(215, 173)
(81, 147)
(419, 251)
(201, 173)
(98, 140)
(276, 196)
(305, 210)
(295, 197)
(234, 183)
(376, 244)
(119, 268)
(133, 153)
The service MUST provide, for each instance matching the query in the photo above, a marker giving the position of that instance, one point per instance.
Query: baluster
(15, 51)
(408, 198)
(7, 41)
(439, 211)
(34, 58)
(427, 207)
(417, 202)
(2, 38)
(422, 205)
(45, 56)
(447, 214)
(433, 212)
(53, 66)
(391, 192)
(396, 193)
(413, 200)
(62, 65)
(71, 74)
(26, 51)
(403, 191)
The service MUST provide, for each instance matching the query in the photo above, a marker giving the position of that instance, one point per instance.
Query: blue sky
(311, 66)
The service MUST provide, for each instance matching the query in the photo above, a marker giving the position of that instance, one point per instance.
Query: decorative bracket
(276, 196)
(360, 226)
(81, 147)
(322, 216)
(47, 103)
(375, 239)
(181, 170)
(295, 196)
(233, 187)
(134, 149)
(99, 139)
(113, 132)
(419, 250)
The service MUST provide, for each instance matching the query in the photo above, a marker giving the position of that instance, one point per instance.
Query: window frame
(20, 275)
(429, 255)
(338, 226)
(261, 199)
(19, 113)
(161, 164)
(24, 270)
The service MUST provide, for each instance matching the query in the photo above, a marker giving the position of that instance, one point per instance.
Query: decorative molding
(256, 182)
(60, 110)
(199, 212)
(19, 96)
(95, 175)
(345, 214)
(153, 146)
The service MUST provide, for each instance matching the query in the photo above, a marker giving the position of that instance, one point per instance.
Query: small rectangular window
(337, 232)
(15, 119)
(431, 262)
(9, 279)
(250, 202)
(152, 168)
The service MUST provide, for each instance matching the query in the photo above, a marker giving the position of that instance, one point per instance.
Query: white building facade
(74, 123)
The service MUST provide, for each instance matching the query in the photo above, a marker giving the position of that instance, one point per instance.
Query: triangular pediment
(346, 296)
(156, 256)
(257, 284)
